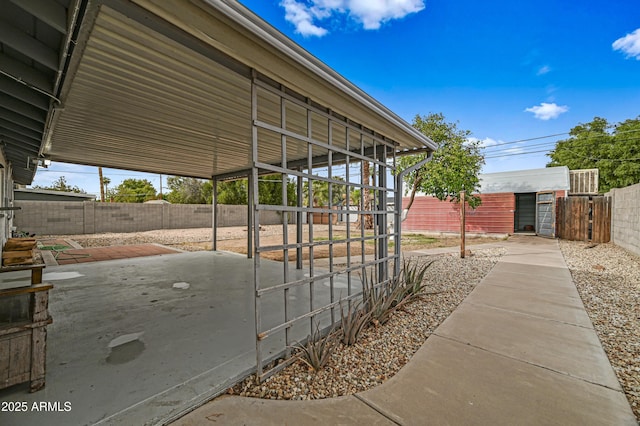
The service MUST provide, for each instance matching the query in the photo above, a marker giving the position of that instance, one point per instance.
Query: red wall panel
(494, 216)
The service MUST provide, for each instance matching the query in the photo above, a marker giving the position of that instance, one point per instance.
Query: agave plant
(317, 350)
(353, 322)
(381, 302)
(413, 274)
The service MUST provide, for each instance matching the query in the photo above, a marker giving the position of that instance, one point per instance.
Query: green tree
(455, 164)
(185, 190)
(133, 191)
(61, 184)
(614, 150)
(321, 192)
(232, 192)
(269, 188)
(105, 188)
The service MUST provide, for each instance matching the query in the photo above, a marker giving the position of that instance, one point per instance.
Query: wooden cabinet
(24, 317)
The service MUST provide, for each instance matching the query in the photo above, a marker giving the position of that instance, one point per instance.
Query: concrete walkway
(519, 350)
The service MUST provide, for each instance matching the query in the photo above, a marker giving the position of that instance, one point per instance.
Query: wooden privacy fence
(584, 219)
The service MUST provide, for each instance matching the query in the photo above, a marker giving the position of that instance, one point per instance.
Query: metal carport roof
(160, 86)
(33, 45)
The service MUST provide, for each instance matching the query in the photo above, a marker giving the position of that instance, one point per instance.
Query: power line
(498, 155)
(560, 134)
(516, 153)
(525, 140)
(528, 147)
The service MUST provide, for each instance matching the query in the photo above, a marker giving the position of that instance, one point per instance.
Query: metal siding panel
(545, 214)
(140, 100)
(236, 31)
(522, 181)
(429, 214)
(176, 112)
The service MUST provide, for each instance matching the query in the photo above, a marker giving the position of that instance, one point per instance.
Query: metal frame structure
(206, 88)
(332, 145)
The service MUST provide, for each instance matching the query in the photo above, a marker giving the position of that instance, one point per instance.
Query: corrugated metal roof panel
(164, 87)
(31, 41)
(521, 181)
(144, 102)
(255, 42)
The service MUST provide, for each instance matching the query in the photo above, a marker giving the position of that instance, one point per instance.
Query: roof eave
(268, 34)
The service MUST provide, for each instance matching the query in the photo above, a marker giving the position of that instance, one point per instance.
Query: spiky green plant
(413, 274)
(318, 348)
(380, 302)
(353, 322)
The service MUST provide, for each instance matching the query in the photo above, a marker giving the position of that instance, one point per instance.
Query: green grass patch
(57, 247)
(418, 239)
(335, 237)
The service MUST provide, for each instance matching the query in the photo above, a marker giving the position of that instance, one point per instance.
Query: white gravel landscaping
(382, 351)
(608, 280)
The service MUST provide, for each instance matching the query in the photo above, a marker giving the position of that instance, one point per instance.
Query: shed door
(545, 214)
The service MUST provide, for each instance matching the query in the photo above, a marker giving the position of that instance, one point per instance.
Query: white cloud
(543, 70)
(629, 44)
(372, 13)
(307, 15)
(302, 17)
(546, 111)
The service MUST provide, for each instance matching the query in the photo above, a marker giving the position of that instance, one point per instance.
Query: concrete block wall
(49, 217)
(232, 215)
(127, 217)
(64, 218)
(625, 217)
(180, 216)
(229, 215)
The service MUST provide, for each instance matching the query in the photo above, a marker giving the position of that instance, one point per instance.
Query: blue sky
(506, 71)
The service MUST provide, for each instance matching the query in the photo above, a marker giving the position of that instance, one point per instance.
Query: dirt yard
(235, 239)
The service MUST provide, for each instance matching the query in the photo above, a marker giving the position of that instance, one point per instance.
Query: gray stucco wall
(625, 217)
(64, 218)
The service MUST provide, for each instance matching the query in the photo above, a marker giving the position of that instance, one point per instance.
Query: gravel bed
(381, 351)
(160, 236)
(608, 280)
(172, 237)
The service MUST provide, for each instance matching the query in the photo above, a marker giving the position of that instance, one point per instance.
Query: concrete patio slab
(232, 410)
(564, 348)
(139, 340)
(452, 383)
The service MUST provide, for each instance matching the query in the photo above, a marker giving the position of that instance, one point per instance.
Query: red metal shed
(516, 201)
